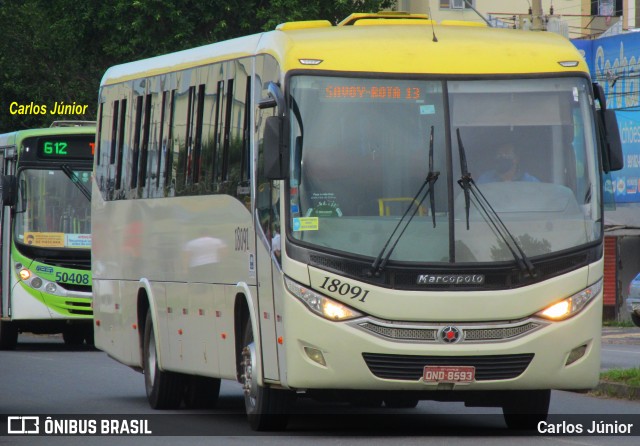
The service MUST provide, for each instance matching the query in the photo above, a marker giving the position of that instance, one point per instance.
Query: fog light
(51, 288)
(36, 282)
(576, 354)
(315, 355)
(24, 274)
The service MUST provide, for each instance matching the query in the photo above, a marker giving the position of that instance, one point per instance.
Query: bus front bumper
(322, 354)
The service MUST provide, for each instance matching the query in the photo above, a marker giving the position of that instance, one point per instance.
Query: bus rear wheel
(164, 389)
(524, 410)
(266, 407)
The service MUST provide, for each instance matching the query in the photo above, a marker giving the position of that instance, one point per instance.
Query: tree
(57, 50)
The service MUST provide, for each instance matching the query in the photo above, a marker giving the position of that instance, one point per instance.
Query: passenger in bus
(276, 241)
(507, 167)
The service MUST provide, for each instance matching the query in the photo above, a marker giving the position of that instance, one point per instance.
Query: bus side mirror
(276, 155)
(275, 148)
(613, 157)
(8, 188)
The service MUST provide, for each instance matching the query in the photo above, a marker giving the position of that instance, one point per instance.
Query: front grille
(80, 308)
(409, 334)
(426, 333)
(486, 334)
(410, 368)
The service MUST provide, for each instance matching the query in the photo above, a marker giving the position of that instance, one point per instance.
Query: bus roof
(390, 47)
(14, 138)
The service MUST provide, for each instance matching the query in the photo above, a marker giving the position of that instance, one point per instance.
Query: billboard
(614, 63)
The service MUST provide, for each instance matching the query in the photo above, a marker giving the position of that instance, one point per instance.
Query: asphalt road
(620, 347)
(46, 378)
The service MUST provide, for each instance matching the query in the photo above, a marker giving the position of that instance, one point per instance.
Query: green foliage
(622, 324)
(630, 377)
(279, 11)
(57, 50)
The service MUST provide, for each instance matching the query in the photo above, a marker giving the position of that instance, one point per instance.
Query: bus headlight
(24, 274)
(319, 304)
(571, 305)
(36, 282)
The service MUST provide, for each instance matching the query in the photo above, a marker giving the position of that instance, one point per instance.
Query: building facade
(576, 18)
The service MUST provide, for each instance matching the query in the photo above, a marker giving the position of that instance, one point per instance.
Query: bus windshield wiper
(489, 213)
(75, 180)
(379, 263)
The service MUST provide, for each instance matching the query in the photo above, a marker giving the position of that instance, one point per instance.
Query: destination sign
(66, 147)
(373, 92)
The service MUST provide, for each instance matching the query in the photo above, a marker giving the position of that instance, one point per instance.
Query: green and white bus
(46, 232)
(305, 211)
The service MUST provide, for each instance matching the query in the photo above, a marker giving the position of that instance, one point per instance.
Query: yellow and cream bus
(328, 211)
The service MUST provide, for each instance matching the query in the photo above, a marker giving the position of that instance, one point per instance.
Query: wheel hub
(249, 379)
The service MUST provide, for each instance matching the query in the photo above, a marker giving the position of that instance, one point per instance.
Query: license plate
(449, 374)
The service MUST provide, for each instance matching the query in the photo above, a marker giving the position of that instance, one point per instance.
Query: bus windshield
(360, 150)
(52, 211)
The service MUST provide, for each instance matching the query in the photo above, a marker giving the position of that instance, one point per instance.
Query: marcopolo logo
(450, 279)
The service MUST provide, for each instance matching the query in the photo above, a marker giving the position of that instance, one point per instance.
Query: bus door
(267, 264)
(2, 225)
(7, 156)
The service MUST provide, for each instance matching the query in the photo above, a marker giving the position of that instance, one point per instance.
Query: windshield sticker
(45, 239)
(324, 204)
(428, 109)
(305, 224)
(78, 240)
(575, 94)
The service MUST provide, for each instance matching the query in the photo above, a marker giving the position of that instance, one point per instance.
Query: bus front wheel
(266, 407)
(524, 410)
(8, 335)
(164, 389)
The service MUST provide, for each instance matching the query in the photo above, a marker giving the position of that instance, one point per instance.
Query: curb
(617, 390)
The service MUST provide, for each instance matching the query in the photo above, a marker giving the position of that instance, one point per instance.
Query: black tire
(88, 335)
(8, 335)
(73, 335)
(366, 400)
(524, 409)
(401, 402)
(201, 392)
(636, 319)
(164, 389)
(267, 408)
